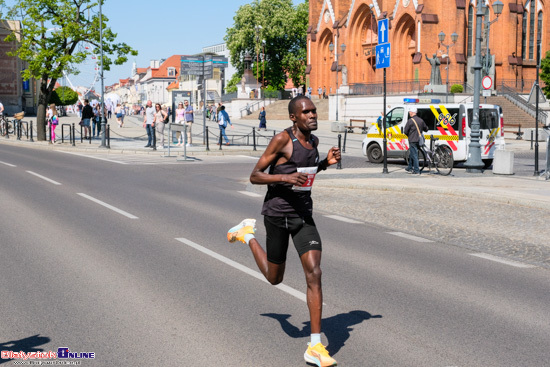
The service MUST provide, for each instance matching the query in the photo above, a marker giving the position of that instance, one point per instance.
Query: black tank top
(281, 200)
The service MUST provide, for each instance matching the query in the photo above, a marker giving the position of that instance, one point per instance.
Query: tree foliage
(545, 74)
(63, 96)
(55, 37)
(284, 31)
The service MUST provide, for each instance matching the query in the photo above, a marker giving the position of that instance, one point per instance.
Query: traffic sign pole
(383, 61)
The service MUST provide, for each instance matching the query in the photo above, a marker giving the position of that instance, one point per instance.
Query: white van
(449, 122)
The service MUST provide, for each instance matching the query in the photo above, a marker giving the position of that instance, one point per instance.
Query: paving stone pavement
(513, 231)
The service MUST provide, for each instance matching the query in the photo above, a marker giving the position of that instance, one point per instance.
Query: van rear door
(489, 128)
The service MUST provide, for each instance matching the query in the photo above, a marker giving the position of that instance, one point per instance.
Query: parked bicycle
(438, 157)
(6, 126)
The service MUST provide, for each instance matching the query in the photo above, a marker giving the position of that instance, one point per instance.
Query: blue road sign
(383, 31)
(383, 56)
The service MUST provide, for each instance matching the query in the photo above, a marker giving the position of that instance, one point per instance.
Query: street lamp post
(258, 30)
(454, 38)
(473, 163)
(102, 110)
(263, 70)
(337, 55)
(497, 9)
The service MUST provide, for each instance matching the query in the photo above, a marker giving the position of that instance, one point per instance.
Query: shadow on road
(336, 328)
(27, 345)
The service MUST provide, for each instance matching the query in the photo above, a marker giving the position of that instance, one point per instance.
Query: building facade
(15, 94)
(413, 34)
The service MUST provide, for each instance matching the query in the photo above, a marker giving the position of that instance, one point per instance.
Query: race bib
(311, 172)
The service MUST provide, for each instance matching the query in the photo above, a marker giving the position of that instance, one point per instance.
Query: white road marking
(285, 288)
(252, 194)
(119, 211)
(93, 157)
(497, 259)
(410, 237)
(8, 164)
(343, 219)
(44, 178)
(247, 156)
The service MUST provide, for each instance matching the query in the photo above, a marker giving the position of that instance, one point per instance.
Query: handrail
(516, 99)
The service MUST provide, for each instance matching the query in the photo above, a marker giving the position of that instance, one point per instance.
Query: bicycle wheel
(9, 125)
(421, 159)
(443, 160)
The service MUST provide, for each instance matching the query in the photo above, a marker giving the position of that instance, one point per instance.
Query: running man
(287, 211)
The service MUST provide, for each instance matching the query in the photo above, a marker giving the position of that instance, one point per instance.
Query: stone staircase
(279, 110)
(513, 115)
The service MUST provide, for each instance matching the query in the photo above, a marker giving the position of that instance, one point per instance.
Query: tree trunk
(43, 98)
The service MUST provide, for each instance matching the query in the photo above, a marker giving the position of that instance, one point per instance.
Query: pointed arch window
(524, 36)
(539, 32)
(470, 29)
(531, 29)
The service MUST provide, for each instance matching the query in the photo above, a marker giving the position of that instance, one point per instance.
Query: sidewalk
(515, 190)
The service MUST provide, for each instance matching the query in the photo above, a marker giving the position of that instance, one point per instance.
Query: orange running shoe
(237, 233)
(319, 356)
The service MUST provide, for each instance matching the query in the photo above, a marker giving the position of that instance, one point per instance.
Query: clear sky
(159, 29)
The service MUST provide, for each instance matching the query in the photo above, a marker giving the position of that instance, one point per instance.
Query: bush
(457, 88)
(63, 96)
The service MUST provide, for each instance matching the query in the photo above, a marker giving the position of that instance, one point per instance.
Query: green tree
(63, 96)
(545, 74)
(56, 36)
(283, 28)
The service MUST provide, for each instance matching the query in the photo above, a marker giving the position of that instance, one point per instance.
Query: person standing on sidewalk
(160, 116)
(180, 119)
(288, 210)
(223, 121)
(413, 129)
(149, 123)
(263, 121)
(53, 121)
(87, 116)
(189, 122)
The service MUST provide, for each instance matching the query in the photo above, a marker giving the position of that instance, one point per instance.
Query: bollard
(254, 137)
(339, 165)
(154, 137)
(74, 135)
(220, 142)
(207, 145)
(345, 139)
(108, 132)
(50, 129)
(31, 133)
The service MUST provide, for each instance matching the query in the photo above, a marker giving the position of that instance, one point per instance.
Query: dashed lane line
(44, 178)
(410, 237)
(293, 292)
(251, 194)
(497, 259)
(93, 157)
(343, 219)
(8, 164)
(108, 206)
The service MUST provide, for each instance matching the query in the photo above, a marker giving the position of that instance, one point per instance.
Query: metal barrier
(71, 136)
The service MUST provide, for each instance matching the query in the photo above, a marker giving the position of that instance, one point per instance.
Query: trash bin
(503, 164)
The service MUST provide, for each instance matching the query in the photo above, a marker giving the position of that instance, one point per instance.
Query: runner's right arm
(279, 147)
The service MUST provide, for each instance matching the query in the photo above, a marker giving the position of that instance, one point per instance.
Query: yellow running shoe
(318, 355)
(237, 233)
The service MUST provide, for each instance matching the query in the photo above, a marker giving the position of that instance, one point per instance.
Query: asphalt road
(130, 262)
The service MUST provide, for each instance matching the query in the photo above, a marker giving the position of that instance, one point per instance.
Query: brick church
(413, 34)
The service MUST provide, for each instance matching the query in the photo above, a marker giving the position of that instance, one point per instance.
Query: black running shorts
(303, 231)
